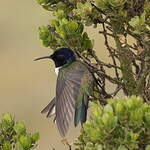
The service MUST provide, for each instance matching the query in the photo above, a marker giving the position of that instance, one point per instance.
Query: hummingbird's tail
(50, 108)
(81, 111)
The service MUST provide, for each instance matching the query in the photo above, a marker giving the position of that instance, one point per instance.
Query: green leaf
(35, 136)
(85, 12)
(108, 108)
(87, 43)
(7, 118)
(41, 2)
(60, 14)
(73, 26)
(134, 21)
(102, 4)
(147, 147)
(80, 28)
(142, 19)
(19, 146)
(95, 135)
(25, 141)
(122, 147)
(147, 117)
(54, 23)
(136, 117)
(138, 23)
(96, 110)
(6, 146)
(99, 147)
(20, 128)
(43, 32)
(109, 120)
(120, 108)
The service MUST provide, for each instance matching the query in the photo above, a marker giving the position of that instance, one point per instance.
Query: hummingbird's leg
(65, 142)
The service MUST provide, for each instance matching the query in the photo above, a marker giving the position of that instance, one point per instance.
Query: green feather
(81, 111)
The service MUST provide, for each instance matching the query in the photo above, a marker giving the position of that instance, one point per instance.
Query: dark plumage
(74, 86)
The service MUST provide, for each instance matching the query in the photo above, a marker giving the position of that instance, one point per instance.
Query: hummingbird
(73, 89)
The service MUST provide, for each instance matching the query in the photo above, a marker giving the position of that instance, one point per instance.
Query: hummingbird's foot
(65, 142)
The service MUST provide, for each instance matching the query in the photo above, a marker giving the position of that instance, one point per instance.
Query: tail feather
(81, 113)
(50, 108)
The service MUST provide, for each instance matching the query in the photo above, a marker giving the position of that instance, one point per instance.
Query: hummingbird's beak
(45, 57)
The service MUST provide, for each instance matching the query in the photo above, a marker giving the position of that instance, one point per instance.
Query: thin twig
(101, 63)
(116, 91)
(110, 52)
(109, 34)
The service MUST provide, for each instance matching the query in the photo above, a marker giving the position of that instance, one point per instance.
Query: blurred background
(27, 86)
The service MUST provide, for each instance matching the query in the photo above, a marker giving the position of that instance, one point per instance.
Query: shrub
(123, 124)
(14, 136)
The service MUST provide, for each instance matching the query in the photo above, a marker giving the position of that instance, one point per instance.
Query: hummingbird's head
(61, 57)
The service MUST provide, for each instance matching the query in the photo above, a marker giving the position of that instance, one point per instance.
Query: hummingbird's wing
(50, 108)
(74, 84)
